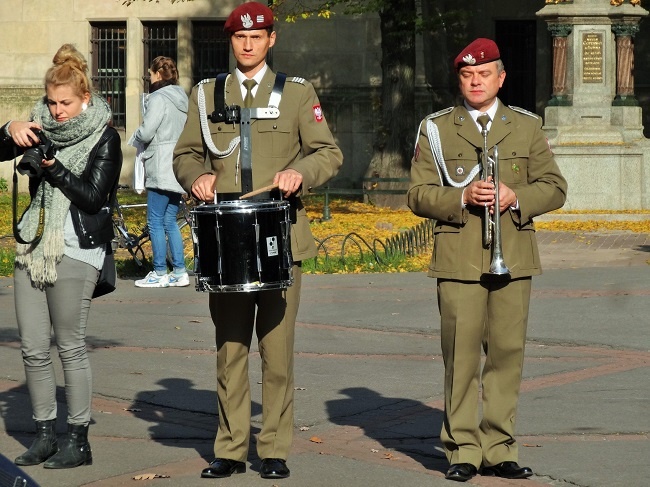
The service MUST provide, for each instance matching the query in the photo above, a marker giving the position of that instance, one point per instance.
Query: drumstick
(258, 191)
(214, 190)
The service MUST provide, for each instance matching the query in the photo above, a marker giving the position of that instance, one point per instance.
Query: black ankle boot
(74, 449)
(43, 447)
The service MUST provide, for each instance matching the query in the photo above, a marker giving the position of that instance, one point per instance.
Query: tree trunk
(437, 63)
(393, 145)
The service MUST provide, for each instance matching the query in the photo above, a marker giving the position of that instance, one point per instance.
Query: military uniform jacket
(526, 165)
(299, 139)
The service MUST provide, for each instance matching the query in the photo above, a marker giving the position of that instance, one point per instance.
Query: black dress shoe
(222, 467)
(461, 472)
(274, 468)
(507, 470)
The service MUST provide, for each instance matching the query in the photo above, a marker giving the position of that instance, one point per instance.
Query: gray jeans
(63, 308)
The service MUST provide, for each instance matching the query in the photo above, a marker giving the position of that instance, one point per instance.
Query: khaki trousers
(494, 316)
(273, 315)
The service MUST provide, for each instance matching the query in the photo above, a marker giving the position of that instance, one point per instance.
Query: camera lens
(30, 164)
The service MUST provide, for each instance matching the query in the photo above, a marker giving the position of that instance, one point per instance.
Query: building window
(211, 49)
(160, 39)
(108, 60)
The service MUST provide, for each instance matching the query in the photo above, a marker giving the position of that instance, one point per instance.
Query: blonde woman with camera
(73, 160)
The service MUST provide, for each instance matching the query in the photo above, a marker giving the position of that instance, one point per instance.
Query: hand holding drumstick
(204, 187)
(288, 181)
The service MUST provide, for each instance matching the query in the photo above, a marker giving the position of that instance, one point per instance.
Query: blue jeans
(162, 208)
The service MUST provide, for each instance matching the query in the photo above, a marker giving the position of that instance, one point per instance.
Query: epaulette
(440, 113)
(297, 79)
(525, 112)
(204, 81)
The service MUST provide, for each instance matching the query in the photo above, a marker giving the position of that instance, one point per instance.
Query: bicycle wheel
(188, 245)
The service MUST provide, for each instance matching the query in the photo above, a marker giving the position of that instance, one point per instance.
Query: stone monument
(593, 120)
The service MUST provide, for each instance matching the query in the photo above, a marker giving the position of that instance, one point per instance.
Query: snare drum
(242, 246)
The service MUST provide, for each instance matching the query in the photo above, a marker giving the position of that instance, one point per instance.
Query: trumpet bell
(498, 267)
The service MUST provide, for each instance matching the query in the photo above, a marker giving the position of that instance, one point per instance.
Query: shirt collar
(492, 111)
(241, 77)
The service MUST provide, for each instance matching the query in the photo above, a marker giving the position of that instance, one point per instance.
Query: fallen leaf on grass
(374, 450)
(304, 428)
(531, 445)
(149, 476)
(315, 439)
(299, 389)
(389, 456)
(195, 321)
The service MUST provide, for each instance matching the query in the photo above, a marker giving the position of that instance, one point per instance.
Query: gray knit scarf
(73, 140)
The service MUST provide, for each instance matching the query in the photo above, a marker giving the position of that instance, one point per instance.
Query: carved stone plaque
(592, 57)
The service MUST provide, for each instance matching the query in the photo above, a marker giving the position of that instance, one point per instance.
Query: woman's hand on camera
(23, 134)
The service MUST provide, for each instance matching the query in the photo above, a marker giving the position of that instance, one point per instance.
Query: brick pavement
(369, 378)
(593, 249)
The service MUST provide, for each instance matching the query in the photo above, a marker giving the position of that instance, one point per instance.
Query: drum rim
(239, 205)
(203, 286)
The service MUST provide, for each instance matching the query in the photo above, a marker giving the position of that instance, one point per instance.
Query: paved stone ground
(593, 249)
(368, 380)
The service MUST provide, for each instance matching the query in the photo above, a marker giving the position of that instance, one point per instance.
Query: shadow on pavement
(404, 425)
(179, 411)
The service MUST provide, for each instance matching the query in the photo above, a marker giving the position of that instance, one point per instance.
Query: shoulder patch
(525, 112)
(297, 79)
(439, 113)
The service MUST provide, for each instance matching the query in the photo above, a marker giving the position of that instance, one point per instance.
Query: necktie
(483, 119)
(248, 99)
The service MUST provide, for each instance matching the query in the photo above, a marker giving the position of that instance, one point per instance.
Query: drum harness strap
(245, 116)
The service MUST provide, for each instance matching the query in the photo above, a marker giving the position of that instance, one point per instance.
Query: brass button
(275, 127)
(514, 153)
(219, 129)
(460, 155)
(450, 218)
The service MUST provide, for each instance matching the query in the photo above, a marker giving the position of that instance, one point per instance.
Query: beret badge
(246, 21)
(469, 59)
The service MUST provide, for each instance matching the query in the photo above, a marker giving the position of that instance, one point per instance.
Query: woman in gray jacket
(163, 121)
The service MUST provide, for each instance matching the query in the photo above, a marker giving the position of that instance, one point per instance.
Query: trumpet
(492, 223)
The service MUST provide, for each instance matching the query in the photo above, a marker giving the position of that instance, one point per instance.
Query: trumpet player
(480, 310)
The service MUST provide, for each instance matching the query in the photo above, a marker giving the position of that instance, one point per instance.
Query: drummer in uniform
(296, 152)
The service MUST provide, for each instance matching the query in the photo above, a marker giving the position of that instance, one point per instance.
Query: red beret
(479, 51)
(249, 16)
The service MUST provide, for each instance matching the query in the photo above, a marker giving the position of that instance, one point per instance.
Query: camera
(30, 164)
(229, 114)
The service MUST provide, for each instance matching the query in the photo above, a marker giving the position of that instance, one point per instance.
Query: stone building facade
(341, 56)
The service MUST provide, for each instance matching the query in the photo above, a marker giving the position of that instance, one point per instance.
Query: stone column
(560, 32)
(625, 64)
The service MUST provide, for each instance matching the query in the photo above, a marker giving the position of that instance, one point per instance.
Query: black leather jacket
(90, 191)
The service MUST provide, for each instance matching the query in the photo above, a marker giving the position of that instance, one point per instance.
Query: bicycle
(124, 239)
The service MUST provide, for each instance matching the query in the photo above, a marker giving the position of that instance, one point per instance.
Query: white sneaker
(153, 280)
(178, 281)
